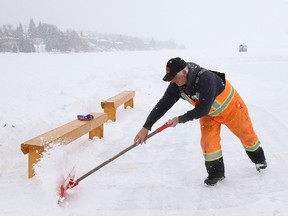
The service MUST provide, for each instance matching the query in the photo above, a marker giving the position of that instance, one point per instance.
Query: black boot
(215, 171)
(258, 158)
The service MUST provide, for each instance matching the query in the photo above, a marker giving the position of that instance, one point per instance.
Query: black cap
(174, 66)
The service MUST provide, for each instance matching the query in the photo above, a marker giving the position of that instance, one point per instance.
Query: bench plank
(110, 105)
(64, 135)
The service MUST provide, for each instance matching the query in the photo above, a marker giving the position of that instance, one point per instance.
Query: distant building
(39, 45)
(243, 48)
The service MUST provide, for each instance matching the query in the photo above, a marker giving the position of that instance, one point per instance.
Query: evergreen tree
(32, 31)
(26, 45)
(19, 33)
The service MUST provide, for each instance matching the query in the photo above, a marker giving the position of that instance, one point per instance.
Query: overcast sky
(186, 22)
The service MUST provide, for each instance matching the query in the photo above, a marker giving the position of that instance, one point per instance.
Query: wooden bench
(64, 135)
(111, 104)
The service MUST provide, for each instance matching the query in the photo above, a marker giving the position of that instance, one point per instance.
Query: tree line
(49, 38)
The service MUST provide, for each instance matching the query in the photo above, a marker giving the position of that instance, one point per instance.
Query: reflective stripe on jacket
(220, 103)
(223, 100)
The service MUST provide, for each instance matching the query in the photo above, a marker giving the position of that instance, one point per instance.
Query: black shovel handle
(158, 130)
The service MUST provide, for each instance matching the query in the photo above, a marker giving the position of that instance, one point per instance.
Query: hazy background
(193, 23)
(41, 91)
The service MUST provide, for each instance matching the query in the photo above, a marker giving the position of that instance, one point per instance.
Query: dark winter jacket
(203, 87)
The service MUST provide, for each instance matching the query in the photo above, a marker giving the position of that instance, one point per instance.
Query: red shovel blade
(67, 184)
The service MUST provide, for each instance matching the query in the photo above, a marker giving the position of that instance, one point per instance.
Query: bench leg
(97, 132)
(33, 158)
(129, 103)
(111, 111)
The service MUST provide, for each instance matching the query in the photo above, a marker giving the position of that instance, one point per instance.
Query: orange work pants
(236, 118)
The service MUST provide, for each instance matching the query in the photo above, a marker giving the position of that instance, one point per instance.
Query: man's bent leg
(240, 124)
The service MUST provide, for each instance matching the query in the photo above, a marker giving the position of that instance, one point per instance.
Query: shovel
(71, 183)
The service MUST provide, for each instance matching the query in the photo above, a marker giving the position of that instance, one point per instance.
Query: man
(215, 103)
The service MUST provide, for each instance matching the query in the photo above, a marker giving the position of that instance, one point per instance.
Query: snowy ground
(39, 92)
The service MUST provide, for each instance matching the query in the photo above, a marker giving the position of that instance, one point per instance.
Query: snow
(40, 92)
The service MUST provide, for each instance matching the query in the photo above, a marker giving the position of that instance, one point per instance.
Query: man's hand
(140, 137)
(174, 121)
